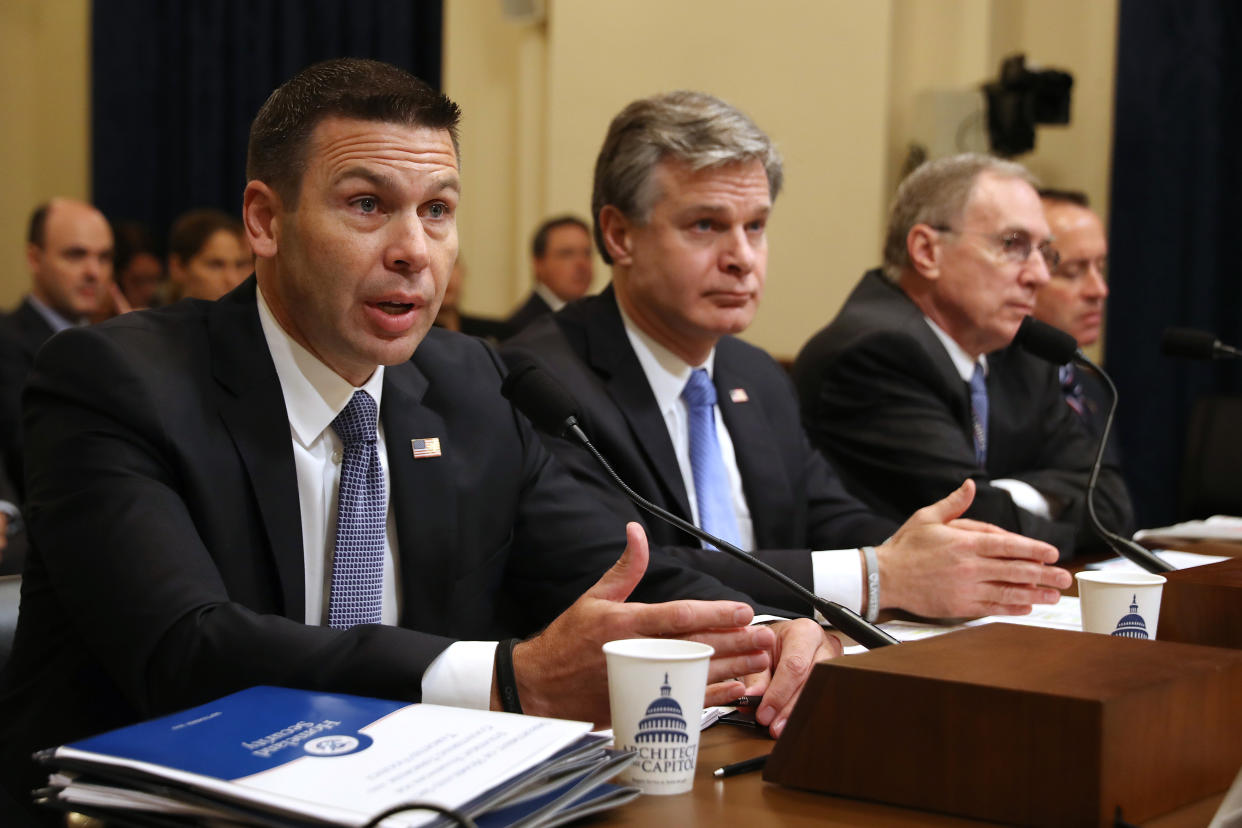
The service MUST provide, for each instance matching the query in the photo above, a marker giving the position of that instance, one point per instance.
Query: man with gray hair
(915, 386)
(706, 425)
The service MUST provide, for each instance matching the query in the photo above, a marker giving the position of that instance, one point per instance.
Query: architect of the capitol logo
(664, 723)
(1132, 624)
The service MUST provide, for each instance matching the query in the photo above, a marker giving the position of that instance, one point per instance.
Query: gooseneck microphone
(547, 403)
(1058, 347)
(1192, 344)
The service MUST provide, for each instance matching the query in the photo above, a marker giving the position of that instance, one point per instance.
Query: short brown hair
(36, 233)
(936, 194)
(695, 128)
(191, 231)
(347, 87)
(539, 242)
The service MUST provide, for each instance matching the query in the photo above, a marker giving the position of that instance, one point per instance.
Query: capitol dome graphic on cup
(664, 723)
(1132, 624)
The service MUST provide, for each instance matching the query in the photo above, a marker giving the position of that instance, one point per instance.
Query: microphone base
(1067, 715)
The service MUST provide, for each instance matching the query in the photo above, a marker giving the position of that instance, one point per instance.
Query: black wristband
(506, 679)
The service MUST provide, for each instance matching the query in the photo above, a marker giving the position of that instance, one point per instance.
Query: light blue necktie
(358, 562)
(711, 481)
(979, 414)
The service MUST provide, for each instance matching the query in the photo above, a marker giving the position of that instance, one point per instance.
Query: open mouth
(395, 308)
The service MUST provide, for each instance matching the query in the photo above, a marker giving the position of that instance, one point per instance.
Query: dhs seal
(336, 745)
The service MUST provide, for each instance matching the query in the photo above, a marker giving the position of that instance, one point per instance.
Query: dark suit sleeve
(883, 413)
(138, 588)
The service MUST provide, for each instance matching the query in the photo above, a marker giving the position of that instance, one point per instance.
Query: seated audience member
(561, 260)
(138, 269)
(208, 255)
(69, 254)
(303, 485)
(1073, 300)
(915, 386)
(451, 318)
(706, 425)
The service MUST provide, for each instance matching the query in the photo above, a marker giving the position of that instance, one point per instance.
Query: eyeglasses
(1075, 269)
(1015, 246)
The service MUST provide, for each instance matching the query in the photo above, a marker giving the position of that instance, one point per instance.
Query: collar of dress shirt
(57, 322)
(667, 373)
(554, 302)
(961, 360)
(314, 393)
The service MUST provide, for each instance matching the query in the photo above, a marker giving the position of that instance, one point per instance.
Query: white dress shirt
(1024, 495)
(545, 293)
(836, 573)
(314, 394)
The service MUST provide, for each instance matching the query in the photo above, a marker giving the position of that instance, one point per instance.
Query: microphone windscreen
(1046, 342)
(1189, 343)
(539, 396)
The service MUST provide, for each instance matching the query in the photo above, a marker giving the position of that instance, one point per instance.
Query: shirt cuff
(837, 576)
(1025, 496)
(461, 676)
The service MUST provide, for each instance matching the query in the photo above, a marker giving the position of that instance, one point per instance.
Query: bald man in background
(1073, 299)
(69, 254)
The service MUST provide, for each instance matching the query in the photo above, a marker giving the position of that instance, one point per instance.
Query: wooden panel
(1021, 725)
(1203, 605)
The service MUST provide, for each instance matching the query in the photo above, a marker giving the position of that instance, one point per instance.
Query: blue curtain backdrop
(1175, 223)
(174, 86)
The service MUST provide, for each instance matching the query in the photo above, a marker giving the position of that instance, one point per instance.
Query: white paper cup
(656, 688)
(1124, 604)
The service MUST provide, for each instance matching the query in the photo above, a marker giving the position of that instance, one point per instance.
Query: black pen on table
(745, 766)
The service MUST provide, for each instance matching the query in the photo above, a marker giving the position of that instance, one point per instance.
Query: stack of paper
(280, 757)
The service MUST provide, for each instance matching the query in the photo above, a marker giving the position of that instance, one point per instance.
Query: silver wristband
(873, 583)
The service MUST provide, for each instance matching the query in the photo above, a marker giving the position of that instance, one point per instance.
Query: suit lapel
(764, 481)
(253, 411)
(423, 498)
(610, 356)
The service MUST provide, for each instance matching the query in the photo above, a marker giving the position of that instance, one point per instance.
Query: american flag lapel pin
(739, 395)
(425, 447)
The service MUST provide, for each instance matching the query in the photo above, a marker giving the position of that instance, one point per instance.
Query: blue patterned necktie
(358, 562)
(711, 481)
(979, 414)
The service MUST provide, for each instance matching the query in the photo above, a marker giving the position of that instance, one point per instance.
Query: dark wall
(174, 86)
(1174, 239)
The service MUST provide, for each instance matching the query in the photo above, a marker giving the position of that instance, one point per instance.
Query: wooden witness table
(747, 800)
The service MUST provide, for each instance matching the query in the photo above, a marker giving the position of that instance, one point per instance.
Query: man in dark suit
(686, 242)
(69, 253)
(1073, 300)
(915, 387)
(208, 505)
(560, 255)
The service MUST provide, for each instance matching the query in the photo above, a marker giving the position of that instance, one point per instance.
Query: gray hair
(694, 128)
(936, 194)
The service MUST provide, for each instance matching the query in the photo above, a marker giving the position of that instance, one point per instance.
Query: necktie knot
(699, 390)
(356, 422)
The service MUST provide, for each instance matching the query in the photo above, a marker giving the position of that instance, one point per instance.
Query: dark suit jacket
(1096, 402)
(166, 561)
(530, 310)
(22, 333)
(880, 395)
(795, 499)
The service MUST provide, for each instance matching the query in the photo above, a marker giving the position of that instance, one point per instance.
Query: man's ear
(34, 256)
(923, 247)
(618, 235)
(262, 212)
